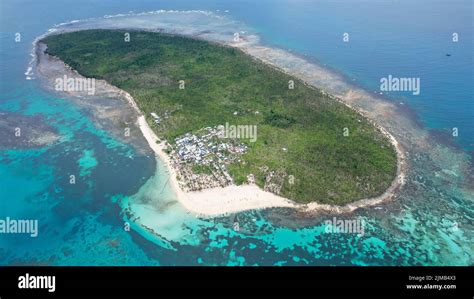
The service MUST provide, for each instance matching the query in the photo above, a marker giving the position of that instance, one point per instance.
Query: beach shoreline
(232, 199)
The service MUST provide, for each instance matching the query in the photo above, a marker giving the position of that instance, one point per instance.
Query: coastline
(233, 198)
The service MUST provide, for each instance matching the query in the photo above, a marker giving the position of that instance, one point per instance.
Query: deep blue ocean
(402, 38)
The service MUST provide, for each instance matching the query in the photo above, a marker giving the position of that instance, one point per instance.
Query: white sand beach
(213, 201)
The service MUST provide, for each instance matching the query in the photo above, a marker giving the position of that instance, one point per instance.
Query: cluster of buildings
(201, 160)
(274, 181)
(209, 152)
(207, 145)
(157, 119)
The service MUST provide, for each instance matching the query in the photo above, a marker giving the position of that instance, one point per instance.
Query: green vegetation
(300, 130)
(202, 169)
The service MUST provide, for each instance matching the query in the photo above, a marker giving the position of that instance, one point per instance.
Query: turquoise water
(116, 186)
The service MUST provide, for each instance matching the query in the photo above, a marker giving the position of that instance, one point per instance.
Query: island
(230, 126)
